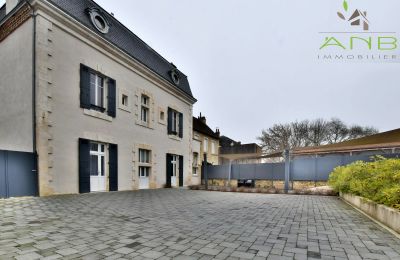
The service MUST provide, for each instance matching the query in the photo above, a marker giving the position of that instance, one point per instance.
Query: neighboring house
(205, 143)
(102, 110)
(235, 152)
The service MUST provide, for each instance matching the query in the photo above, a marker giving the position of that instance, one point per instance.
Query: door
(144, 175)
(175, 170)
(97, 167)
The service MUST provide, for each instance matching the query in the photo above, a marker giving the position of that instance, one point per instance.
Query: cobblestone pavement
(183, 224)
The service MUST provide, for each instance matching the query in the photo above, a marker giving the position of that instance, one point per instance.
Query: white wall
(16, 90)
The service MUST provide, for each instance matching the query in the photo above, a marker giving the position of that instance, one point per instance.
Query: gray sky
(252, 63)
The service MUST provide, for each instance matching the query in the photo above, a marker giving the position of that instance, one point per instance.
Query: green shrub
(378, 180)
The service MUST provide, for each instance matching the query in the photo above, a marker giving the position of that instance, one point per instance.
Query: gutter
(34, 145)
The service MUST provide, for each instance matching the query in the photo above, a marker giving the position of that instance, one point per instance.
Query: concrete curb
(384, 216)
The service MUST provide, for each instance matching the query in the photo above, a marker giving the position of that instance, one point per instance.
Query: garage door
(17, 174)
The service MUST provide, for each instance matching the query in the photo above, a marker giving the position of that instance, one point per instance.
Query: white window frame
(146, 154)
(205, 145)
(100, 154)
(144, 171)
(213, 147)
(145, 108)
(98, 86)
(195, 165)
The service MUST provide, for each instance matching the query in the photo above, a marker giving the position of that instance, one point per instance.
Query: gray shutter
(169, 169)
(180, 125)
(113, 167)
(112, 98)
(84, 166)
(85, 87)
(169, 121)
(180, 171)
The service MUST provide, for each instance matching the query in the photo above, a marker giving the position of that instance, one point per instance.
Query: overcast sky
(252, 63)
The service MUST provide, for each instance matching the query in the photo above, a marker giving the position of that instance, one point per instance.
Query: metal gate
(18, 176)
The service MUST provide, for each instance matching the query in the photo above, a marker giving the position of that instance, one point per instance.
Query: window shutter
(180, 171)
(85, 87)
(169, 169)
(180, 125)
(84, 166)
(169, 121)
(113, 167)
(112, 98)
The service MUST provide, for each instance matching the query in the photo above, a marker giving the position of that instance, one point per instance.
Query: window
(195, 163)
(175, 123)
(97, 155)
(145, 108)
(144, 172)
(96, 91)
(144, 156)
(162, 116)
(124, 100)
(213, 147)
(205, 145)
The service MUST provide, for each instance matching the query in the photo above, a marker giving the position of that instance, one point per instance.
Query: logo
(357, 42)
(358, 18)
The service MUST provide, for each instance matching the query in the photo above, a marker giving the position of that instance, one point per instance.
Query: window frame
(195, 164)
(96, 106)
(145, 109)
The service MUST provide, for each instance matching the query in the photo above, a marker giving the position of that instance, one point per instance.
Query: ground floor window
(144, 171)
(195, 164)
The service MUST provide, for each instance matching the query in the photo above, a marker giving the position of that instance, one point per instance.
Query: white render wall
(16, 90)
(59, 168)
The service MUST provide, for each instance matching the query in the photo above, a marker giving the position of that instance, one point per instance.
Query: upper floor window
(205, 145)
(145, 108)
(96, 91)
(213, 150)
(175, 122)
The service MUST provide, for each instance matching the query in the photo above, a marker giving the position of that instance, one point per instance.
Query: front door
(97, 167)
(144, 173)
(175, 170)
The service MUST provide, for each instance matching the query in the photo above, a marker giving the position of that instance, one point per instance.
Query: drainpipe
(34, 147)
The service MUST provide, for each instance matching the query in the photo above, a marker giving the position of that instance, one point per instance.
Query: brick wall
(14, 22)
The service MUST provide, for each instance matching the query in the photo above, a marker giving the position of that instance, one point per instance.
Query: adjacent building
(235, 152)
(89, 102)
(205, 145)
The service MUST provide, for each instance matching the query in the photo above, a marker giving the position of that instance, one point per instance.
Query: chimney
(203, 119)
(10, 5)
(217, 132)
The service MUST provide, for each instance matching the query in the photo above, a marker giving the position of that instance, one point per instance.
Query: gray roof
(123, 38)
(2, 12)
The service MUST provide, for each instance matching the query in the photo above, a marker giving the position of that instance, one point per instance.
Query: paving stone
(184, 224)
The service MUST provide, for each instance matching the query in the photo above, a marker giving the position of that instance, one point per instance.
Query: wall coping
(384, 215)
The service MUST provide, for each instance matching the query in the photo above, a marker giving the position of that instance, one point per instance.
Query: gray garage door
(17, 174)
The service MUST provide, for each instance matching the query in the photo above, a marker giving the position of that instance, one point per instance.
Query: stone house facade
(96, 106)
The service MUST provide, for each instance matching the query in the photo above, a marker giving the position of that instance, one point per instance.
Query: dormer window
(98, 20)
(175, 76)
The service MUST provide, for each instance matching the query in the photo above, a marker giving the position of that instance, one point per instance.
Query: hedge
(378, 180)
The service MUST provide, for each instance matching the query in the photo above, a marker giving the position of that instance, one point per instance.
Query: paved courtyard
(183, 224)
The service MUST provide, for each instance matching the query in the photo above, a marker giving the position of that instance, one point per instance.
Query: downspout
(34, 146)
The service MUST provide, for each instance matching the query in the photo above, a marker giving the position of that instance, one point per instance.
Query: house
(205, 145)
(89, 102)
(235, 152)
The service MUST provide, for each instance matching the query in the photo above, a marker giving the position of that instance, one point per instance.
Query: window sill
(97, 114)
(125, 108)
(144, 124)
(175, 137)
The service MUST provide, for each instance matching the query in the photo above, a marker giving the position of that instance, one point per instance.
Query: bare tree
(310, 133)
